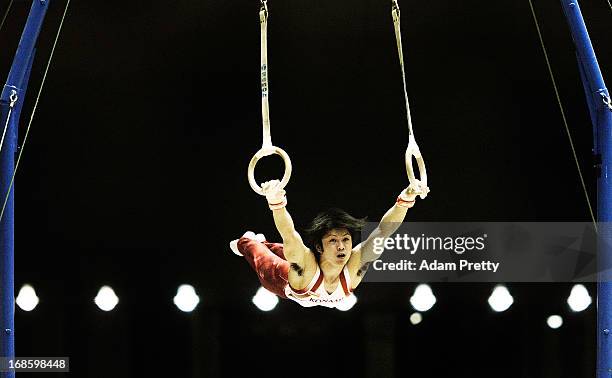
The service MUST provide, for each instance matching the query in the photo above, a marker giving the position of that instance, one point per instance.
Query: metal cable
(567, 130)
(6, 14)
(8, 119)
(42, 84)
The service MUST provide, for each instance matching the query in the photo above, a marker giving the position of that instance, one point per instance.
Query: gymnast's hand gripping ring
(413, 150)
(267, 151)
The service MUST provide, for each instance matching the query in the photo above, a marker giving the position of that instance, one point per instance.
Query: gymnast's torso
(316, 293)
(329, 276)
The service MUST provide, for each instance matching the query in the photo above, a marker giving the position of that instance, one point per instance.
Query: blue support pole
(11, 101)
(601, 115)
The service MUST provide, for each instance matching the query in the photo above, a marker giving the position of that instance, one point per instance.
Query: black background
(134, 175)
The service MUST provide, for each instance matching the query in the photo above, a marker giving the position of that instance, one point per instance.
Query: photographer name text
(435, 265)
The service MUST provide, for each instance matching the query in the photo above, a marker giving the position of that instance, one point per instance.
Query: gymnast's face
(337, 246)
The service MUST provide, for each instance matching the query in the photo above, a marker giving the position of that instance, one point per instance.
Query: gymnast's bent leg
(276, 248)
(267, 259)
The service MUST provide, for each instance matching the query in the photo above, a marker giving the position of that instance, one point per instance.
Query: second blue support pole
(601, 115)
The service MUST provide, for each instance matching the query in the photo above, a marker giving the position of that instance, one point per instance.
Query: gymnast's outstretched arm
(294, 248)
(391, 221)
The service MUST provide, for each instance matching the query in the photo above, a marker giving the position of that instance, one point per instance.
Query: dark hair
(328, 220)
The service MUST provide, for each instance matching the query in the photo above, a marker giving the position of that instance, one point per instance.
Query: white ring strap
(395, 12)
(265, 110)
(267, 148)
(413, 149)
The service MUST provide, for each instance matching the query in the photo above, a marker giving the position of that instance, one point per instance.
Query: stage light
(579, 298)
(554, 321)
(265, 300)
(416, 318)
(347, 303)
(186, 298)
(500, 299)
(106, 299)
(27, 299)
(423, 298)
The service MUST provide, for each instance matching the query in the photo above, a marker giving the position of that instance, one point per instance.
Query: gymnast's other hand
(408, 196)
(275, 194)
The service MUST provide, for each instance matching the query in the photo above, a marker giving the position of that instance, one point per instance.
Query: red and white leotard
(315, 294)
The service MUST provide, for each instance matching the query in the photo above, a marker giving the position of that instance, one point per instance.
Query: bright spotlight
(106, 299)
(265, 300)
(27, 299)
(186, 298)
(500, 299)
(579, 298)
(416, 318)
(554, 321)
(423, 298)
(347, 303)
